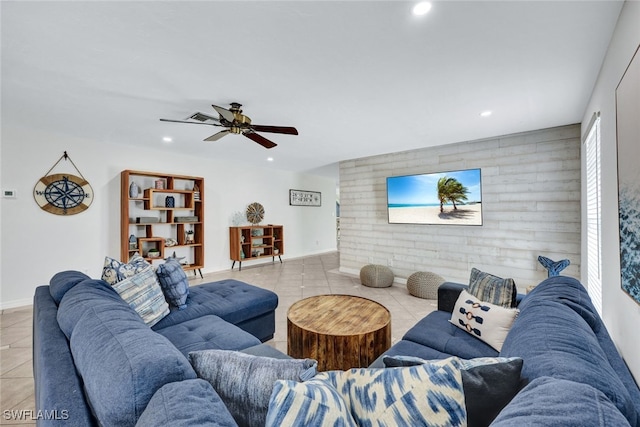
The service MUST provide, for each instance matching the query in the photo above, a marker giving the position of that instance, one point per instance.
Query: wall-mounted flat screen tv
(453, 197)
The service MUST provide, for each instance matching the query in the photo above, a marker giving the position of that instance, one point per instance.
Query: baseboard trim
(16, 303)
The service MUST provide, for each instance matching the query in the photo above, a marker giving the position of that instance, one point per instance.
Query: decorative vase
(169, 202)
(134, 190)
(241, 254)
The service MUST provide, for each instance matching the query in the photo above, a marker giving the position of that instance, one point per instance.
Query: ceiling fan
(235, 122)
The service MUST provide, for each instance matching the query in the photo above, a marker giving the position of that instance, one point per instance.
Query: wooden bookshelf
(255, 242)
(157, 224)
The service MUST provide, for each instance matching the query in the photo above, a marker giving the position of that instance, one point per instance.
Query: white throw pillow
(485, 321)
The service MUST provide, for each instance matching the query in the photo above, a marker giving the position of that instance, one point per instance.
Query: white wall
(530, 204)
(619, 311)
(36, 244)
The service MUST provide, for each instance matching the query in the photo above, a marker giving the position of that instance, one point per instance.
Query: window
(594, 260)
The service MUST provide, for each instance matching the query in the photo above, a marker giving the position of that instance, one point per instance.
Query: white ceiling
(356, 78)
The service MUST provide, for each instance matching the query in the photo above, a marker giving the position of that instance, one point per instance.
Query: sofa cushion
(231, 300)
(174, 283)
(488, 322)
(143, 293)
(186, 404)
(489, 384)
(58, 386)
(245, 382)
(572, 294)
(89, 294)
(437, 333)
(493, 289)
(555, 402)
(114, 270)
(208, 333)
(61, 282)
(122, 362)
(555, 341)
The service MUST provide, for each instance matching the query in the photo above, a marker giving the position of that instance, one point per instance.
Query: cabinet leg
(280, 259)
(234, 263)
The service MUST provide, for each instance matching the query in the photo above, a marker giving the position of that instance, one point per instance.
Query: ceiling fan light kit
(237, 123)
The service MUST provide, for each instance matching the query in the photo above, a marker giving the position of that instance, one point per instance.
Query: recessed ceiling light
(485, 113)
(167, 139)
(269, 159)
(421, 8)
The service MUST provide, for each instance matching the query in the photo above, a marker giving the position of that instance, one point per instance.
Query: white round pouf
(424, 284)
(376, 276)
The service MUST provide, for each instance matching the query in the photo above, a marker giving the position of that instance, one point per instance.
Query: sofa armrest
(448, 294)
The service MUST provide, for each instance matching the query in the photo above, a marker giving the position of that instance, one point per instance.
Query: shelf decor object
(305, 198)
(255, 213)
(63, 193)
(134, 190)
(152, 218)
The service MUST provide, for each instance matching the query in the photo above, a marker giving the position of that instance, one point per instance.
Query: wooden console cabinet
(165, 215)
(255, 242)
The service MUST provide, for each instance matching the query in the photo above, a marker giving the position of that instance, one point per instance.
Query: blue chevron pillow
(424, 395)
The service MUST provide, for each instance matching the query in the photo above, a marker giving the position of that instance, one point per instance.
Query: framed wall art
(305, 198)
(628, 145)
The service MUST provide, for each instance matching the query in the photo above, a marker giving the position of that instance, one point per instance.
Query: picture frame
(305, 198)
(628, 151)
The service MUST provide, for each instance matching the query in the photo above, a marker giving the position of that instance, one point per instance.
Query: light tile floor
(292, 280)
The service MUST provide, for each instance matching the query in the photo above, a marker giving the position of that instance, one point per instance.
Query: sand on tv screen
(453, 197)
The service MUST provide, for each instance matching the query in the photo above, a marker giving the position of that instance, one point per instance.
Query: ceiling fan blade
(224, 113)
(218, 135)
(275, 129)
(259, 139)
(192, 123)
(201, 117)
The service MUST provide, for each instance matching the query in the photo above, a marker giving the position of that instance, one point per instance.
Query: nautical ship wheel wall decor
(63, 193)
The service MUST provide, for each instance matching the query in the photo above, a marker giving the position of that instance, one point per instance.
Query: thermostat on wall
(9, 194)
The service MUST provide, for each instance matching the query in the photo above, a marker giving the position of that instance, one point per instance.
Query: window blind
(593, 202)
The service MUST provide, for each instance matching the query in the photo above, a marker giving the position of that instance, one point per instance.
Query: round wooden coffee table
(339, 331)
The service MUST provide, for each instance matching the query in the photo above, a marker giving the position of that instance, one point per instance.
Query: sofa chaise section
(97, 363)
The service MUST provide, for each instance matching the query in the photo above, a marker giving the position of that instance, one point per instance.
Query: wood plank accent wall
(531, 207)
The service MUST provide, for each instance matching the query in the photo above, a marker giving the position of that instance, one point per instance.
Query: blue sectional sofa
(572, 374)
(97, 363)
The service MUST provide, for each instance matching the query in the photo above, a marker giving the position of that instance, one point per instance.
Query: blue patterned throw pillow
(174, 283)
(312, 403)
(430, 394)
(489, 384)
(143, 294)
(493, 289)
(114, 271)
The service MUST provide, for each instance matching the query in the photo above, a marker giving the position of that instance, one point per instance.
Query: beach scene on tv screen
(453, 197)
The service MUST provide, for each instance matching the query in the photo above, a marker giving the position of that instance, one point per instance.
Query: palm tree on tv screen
(452, 190)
